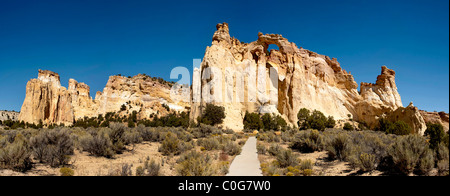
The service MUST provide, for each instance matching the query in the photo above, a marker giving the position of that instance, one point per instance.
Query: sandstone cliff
(9, 115)
(305, 80)
(48, 101)
(436, 117)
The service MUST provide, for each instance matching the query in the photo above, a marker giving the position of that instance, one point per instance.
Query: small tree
(399, 128)
(212, 115)
(252, 121)
(436, 133)
(330, 122)
(348, 127)
(302, 115)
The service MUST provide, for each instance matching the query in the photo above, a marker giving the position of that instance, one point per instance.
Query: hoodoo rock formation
(305, 80)
(47, 101)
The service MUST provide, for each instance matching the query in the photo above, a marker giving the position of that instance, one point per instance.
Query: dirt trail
(247, 163)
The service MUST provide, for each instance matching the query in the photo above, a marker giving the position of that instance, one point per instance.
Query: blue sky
(91, 40)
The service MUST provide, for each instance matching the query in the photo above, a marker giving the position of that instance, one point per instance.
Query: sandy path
(247, 163)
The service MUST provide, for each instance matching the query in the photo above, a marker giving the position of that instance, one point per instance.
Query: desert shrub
(150, 168)
(339, 147)
(306, 164)
(194, 164)
(442, 159)
(16, 156)
(212, 115)
(169, 145)
(125, 169)
(308, 141)
(367, 162)
(348, 127)
(426, 163)
(231, 148)
(65, 171)
(116, 136)
(436, 133)
(205, 131)
(271, 169)
(132, 136)
(286, 158)
(98, 145)
(406, 153)
(252, 121)
(261, 149)
(52, 146)
(275, 149)
(210, 143)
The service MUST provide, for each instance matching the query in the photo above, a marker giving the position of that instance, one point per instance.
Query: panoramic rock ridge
(305, 80)
(47, 101)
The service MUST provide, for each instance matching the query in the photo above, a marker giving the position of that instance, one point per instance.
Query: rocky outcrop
(9, 115)
(47, 101)
(304, 79)
(436, 118)
(411, 116)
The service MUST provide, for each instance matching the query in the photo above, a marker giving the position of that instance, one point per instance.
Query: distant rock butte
(305, 80)
(47, 101)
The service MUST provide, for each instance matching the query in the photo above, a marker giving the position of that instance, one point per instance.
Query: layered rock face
(48, 101)
(304, 79)
(436, 117)
(9, 115)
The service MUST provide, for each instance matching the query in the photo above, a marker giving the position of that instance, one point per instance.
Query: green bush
(212, 115)
(252, 121)
(273, 122)
(314, 120)
(348, 127)
(330, 122)
(302, 116)
(436, 133)
(397, 128)
(308, 141)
